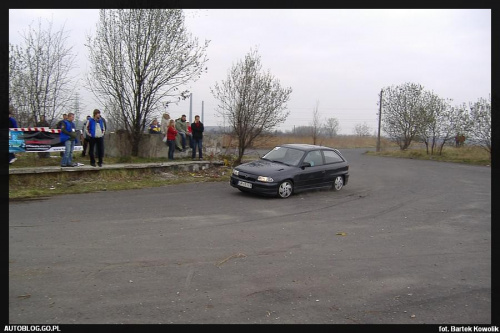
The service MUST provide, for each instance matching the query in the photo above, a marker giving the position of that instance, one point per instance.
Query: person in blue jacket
(68, 137)
(96, 127)
(12, 124)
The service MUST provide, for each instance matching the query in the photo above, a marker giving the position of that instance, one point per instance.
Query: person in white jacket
(84, 138)
(165, 120)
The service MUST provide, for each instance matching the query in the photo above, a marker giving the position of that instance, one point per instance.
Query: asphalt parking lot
(405, 242)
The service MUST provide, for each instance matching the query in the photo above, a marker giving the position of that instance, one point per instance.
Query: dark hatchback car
(291, 168)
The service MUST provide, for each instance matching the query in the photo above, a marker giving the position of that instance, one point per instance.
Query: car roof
(305, 147)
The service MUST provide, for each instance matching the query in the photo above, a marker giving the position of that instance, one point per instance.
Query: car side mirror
(305, 165)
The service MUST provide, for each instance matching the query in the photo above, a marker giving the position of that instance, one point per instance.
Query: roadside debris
(237, 255)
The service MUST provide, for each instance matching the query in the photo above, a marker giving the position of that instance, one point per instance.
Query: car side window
(314, 158)
(332, 157)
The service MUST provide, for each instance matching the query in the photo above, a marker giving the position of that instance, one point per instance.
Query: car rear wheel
(338, 183)
(285, 189)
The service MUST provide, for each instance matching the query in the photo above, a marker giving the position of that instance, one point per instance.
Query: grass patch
(26, 186)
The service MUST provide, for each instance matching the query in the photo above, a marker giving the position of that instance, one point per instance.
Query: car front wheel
(338, 183)
(285, 189)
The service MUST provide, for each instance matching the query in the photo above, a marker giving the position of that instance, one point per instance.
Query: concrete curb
(88, 167)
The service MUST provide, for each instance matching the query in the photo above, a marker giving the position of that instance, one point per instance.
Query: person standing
(197, 138)
(95, 131)
(171, 135)
(165, 121)
(68, 137)
(58, 126)
(12, 124)
(43, 123)
(106, 128)
(60, 122)
(84, 137)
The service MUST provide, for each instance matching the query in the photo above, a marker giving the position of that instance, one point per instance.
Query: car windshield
(289, 156)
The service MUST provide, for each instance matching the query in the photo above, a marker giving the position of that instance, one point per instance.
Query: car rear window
(332, 157)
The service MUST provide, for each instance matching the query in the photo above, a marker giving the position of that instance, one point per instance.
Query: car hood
(263, 167)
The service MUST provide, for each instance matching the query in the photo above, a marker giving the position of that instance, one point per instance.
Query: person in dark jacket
(96, 129)
(60, 122)
(43, 123)
(68, 137)
(197, 129)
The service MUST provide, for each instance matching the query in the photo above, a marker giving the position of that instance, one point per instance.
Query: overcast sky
(338, 59)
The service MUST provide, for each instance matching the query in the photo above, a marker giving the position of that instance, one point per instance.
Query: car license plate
(244, 184)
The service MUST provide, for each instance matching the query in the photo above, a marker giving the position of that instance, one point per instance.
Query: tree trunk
(134, 142)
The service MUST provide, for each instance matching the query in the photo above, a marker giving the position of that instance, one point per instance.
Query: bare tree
(404, 114)
(362, 129)
(252, 101)
(140, 60)
(315, 124)
(331, 127)
(40, 81)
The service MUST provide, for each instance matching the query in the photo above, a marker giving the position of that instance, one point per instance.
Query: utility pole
(191, 108)
(379, 120)
(202, 111)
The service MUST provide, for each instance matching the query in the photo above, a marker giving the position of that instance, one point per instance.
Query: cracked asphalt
(405, 242)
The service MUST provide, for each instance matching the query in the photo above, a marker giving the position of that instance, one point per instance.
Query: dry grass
(43, 185)
(342, 141)
(473, 155)
(335, 142)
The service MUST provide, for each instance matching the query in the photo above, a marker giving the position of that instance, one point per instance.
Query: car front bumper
(269, 189)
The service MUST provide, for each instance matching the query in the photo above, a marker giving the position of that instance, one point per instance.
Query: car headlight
(236, 172)
(265, 179)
